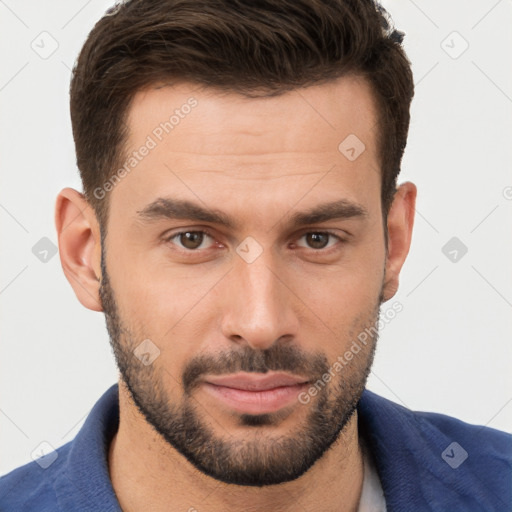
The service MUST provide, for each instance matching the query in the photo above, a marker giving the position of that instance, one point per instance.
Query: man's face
(262, 297)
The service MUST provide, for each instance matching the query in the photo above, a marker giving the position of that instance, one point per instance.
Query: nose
(259, 309)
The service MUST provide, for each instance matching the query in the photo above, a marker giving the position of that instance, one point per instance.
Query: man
(240, 227)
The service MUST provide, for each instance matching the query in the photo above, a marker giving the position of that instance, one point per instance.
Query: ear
(79, 246)
(400, 223)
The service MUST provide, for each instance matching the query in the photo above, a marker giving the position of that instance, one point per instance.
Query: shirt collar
(402, 443)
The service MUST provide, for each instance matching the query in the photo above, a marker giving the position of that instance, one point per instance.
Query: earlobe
(400, 223)
(79, 246)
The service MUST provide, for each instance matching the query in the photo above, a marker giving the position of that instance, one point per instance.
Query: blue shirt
(425, 461)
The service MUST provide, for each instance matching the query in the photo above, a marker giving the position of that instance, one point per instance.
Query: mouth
(253, 393)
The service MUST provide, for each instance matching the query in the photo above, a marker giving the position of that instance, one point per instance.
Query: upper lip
(256, 382)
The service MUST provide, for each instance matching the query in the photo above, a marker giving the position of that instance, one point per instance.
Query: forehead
(331, 110)
(203, 142)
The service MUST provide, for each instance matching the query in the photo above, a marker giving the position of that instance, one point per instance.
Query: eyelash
(169, 238)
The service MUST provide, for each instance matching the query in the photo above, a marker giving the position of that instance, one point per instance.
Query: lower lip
(255, 402)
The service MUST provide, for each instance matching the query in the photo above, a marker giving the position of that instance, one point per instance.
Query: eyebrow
(173, 208)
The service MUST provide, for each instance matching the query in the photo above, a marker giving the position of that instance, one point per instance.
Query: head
(240, 215)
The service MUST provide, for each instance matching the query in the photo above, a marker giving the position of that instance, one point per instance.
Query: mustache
(277, 358)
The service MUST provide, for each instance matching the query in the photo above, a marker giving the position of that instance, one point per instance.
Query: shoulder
(32, 486)
(432, 425)
(444, 460)
(74, 477)
(478, 438)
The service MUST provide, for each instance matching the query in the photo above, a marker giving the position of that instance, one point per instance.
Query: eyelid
(341, 239)
(338, 233)
(167, 237)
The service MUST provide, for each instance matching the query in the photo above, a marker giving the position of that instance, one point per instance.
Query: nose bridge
(258, 310)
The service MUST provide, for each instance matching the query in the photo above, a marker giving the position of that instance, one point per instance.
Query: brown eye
(189, 240)
(319, 240)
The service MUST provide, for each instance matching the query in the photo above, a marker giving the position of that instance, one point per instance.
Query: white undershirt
(372, 496)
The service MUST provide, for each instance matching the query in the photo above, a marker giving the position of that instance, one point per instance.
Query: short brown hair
(239, 46)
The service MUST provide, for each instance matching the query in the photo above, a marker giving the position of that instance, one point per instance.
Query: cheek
(146, 287)
(344, 300)
(163, 304)
(345, 291)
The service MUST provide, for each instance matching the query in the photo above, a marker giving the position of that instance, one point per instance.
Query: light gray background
(449, 349)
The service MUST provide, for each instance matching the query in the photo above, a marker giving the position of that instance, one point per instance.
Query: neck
(149, 474)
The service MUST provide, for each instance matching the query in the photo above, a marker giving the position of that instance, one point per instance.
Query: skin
(258, 160)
